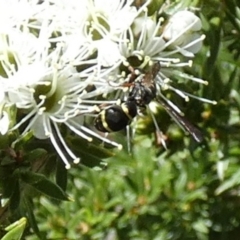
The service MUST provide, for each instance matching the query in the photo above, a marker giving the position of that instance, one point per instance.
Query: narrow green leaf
(91, 155)
(15, 230)
(20, 142)
(31, 218)
(233, 181)
(61, 175)
(15, 197)
(200, 226)
(36, 153)
(154, 6)
(91, 148)
(42, 184)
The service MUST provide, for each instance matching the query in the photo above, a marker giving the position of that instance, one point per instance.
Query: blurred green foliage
(186, 192)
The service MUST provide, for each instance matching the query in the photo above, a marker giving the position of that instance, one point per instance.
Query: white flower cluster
(53, 51)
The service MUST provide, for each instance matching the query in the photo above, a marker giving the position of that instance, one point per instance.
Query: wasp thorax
(141, 94)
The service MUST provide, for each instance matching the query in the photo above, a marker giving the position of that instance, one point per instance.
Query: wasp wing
(182, 121)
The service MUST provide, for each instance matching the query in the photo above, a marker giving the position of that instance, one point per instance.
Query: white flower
(98, 22)
(2, 92)
(4, 123)
(182, 29)
(44, 83)
(4, 119)
(144, 40)
(16, 48)
(52, 94)
(75, 51)
(16, 13)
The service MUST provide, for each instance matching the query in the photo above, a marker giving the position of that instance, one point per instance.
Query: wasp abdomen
(116, 117)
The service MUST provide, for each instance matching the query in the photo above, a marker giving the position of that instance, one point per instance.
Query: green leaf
(233, 181)
(42, 184)
(91, 154)
(36, 153)
(21, 141)
(200, 226)
(15, 197)
(154, 6)
(15, 230)
(32, 221)
(61, 175)
(83, 146)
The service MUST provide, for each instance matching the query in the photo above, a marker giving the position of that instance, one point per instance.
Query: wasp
(142, 90)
